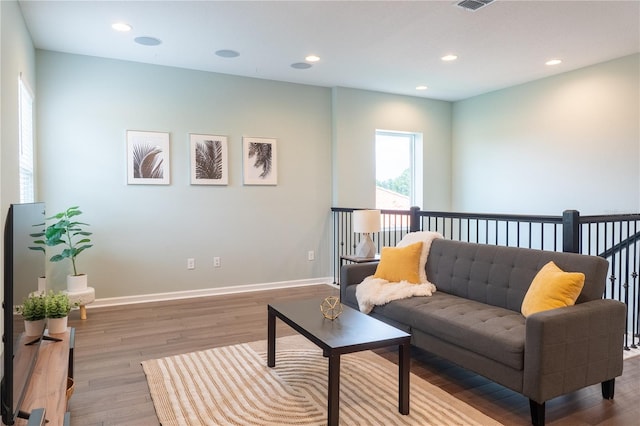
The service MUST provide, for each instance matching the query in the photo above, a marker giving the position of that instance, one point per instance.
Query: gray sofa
(474, 319)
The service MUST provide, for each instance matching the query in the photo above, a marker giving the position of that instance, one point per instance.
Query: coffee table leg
(333, 408)
(271, 339)
(403, 380)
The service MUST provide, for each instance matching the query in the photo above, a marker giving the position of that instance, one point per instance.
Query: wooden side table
(356, 259)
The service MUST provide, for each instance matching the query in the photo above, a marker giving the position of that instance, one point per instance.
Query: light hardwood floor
(111, 388)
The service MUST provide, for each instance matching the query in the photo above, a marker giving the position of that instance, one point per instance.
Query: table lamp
(366, 222)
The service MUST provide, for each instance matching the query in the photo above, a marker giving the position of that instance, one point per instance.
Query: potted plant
(33, 311)
(71, 234)
(57, 307)
(42, 281)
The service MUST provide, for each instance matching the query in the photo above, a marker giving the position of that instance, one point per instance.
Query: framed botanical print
(148, 158)
(260, 162)
(209, 160)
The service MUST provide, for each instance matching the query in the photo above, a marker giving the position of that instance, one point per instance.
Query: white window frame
(26, 157)
(415, 162)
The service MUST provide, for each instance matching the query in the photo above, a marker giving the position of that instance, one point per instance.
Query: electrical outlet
(311, 255)
(216, 262)
(191, 263)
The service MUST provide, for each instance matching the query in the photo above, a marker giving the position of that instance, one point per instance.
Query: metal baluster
(635, 333)
(625, 285)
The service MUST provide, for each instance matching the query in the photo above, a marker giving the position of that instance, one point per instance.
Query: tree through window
(396, 170)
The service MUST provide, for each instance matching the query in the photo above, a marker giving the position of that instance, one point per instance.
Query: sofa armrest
(354, 273)
(569, 348)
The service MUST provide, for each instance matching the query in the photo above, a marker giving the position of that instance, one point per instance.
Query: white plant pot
(34, 328)
(76, 283)
(42, 285)
(57, 325)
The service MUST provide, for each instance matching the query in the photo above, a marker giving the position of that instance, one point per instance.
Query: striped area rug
(233, 386)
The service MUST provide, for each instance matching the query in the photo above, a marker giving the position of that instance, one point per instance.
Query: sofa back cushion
(500, 276)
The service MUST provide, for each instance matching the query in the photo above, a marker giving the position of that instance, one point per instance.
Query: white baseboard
(157, 297)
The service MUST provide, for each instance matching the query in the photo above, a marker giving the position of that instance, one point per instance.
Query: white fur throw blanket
(376, 291)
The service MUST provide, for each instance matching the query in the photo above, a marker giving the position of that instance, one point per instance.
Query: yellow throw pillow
(400, 263)
(552, 288)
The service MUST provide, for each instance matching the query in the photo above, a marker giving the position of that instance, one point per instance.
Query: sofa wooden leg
(608, 388)
(537, 413)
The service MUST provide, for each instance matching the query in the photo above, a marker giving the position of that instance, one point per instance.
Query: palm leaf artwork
(209, 160)
(147, 161)
(262, 152)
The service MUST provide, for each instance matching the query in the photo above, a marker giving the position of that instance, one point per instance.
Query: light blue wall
(540, 147)
(571, 141)
(356, 116)
(144, 234)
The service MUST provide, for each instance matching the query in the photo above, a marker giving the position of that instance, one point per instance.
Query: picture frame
(209, 159)
(260, 161)
(148, 158)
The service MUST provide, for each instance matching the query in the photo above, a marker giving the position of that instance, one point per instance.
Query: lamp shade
(366, 221)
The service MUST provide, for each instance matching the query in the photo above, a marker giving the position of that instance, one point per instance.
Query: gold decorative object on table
(331, 307)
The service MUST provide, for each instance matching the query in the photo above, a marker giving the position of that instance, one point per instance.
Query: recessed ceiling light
(448, 58)
(421, 87)
(121, 26)
(553, 62)
(301, 65)
(312, 58)
(147, 41)
(226, 53)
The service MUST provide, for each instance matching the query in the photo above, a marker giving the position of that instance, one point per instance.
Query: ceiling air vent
(473, 5)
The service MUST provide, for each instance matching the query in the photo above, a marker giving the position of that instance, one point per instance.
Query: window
(398, 170)
(25, 126)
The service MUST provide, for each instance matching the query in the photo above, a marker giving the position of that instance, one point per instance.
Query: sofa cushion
(552, 288)
(400, 263)
(490, 331)
(487, 330)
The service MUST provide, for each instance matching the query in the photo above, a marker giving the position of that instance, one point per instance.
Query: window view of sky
(392, 156)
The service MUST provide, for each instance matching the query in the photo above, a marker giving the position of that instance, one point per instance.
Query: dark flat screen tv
(22, 268)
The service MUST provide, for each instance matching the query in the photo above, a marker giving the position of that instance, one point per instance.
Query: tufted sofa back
(500, 276)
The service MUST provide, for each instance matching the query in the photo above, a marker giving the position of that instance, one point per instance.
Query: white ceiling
(387, 46)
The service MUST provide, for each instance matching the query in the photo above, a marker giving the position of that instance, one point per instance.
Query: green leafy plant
(38, 235)
(64, 231)
(57, 305)
(33, 308)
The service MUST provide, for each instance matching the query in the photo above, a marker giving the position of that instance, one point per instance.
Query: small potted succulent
(33, 311)
(57, 306)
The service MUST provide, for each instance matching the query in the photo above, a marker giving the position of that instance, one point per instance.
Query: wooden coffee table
(352, 331)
